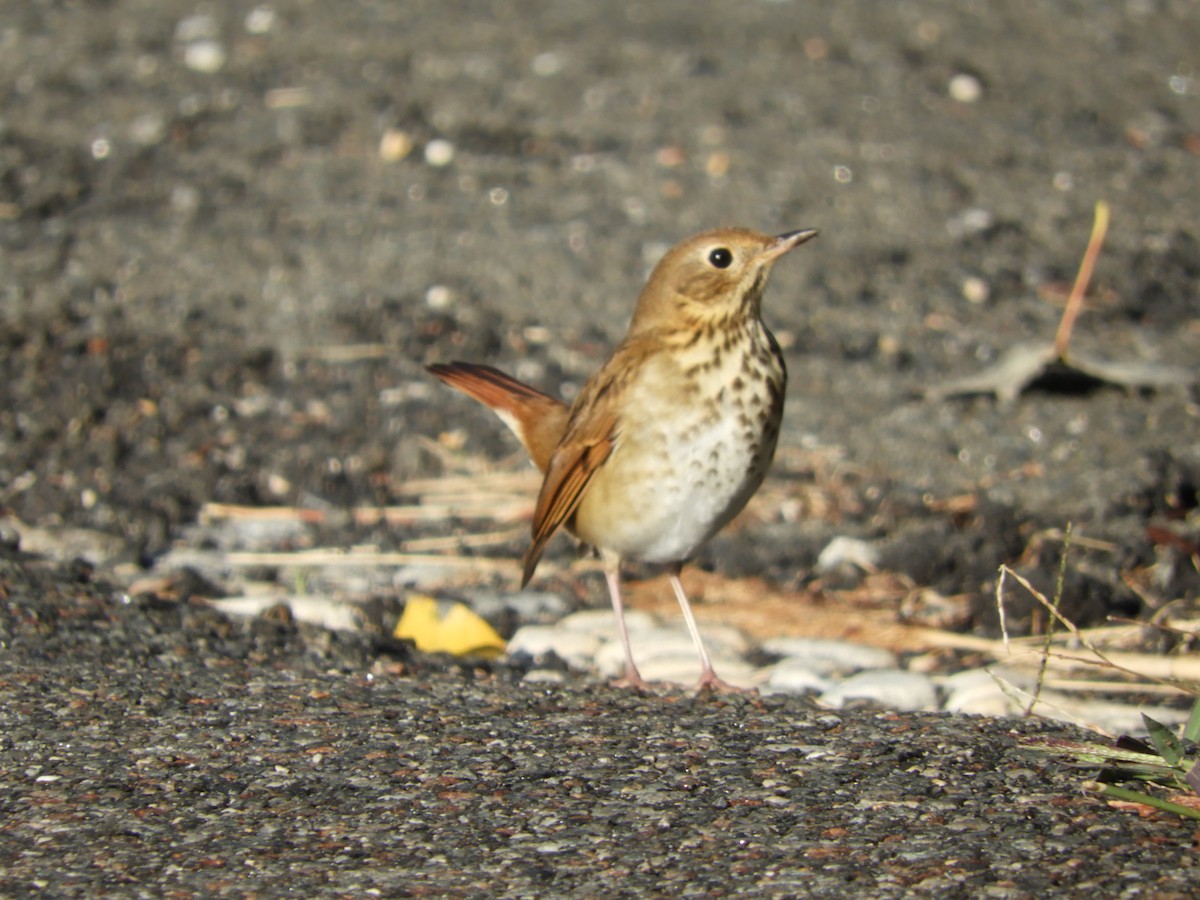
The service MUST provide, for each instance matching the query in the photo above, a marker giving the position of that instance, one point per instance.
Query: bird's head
(712, 278)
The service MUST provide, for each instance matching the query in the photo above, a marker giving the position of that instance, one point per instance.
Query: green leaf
(1164, 741)
(1191, 730)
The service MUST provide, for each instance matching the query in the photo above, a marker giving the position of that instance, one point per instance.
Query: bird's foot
(710, 682)
(632, 680)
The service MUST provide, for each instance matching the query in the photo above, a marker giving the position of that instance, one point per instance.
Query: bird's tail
(538, 420)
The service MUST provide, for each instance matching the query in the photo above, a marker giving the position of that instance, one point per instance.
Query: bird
(670, 438)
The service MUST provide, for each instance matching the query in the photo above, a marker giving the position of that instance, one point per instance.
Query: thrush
(670, 438)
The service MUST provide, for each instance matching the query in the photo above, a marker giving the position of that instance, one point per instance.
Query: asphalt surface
(155, 749)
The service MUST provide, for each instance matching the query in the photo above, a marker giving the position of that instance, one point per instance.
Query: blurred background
(231, 234)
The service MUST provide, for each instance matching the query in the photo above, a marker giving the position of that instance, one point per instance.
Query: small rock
(195, 28)
(147, 129)
(526, 606)
(975, 290)
(793, 676)
(889, 688)
(98, 548)
(979, 692)
(970, 222)
(827, 657)
(395, 145)
(846, 551)
(965, 88)
(547, 64)
(603, 622)
(724, 646)
(313, 609)
(260, 20)
(439, 152)
(576, 648)
(204, 56)
(544, 676)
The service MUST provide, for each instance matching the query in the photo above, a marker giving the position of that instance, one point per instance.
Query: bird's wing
(591, 434)
(574, 463)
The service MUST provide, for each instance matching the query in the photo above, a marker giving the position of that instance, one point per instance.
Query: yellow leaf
(460, 631)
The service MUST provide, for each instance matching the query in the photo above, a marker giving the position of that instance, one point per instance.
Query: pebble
(576, 648)
(603, 622)
(526, 606)
(889, 688)
(836, 673)
(544, 676)
(657, 645)
(206, 56)
(984, 692)
(260, 20)
(829, 657)
(439, 152)
(796, 676)
(976, 290)
(845, 551)
(195, 28)
(314, 609)
(965, 88)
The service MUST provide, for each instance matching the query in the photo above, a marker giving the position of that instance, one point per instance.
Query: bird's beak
(786, 242)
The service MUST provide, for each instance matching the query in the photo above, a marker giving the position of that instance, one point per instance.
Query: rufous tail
(538, 420)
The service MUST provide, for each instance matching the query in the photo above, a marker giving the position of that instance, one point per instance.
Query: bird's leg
(632, 678)
(708, 678)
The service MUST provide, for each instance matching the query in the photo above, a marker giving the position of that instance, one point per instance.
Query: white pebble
(828, 657)
(438, 296)
(184, 199)
(544, 676)
(975, 290)
(147, 129)
(547, 64)
(970, 222)
(965, 88)
(576, 648)
(603, 622)
(527, 606)
(843, 551)
(204, 56)
(793, 676)
(260, 20)
(314, 609)
(889, 688)
(195, 28)
(654, 644)
(439, 152)
(976, 692)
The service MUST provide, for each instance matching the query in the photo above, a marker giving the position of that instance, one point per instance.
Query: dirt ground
(230, 237)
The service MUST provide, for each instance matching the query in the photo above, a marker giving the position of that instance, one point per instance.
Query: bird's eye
(721, 258)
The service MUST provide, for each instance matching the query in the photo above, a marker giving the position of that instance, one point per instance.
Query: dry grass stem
(1075, 302)
(345, 353)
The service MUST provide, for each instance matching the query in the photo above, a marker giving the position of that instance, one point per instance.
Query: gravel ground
(155, 749)
(230, 236)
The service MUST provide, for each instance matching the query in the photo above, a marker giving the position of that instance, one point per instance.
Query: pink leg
(708, 678)
(633, 678)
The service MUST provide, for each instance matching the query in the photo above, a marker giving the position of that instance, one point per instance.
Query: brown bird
(666, 443)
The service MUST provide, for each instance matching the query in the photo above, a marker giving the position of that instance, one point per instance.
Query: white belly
(680, 471)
